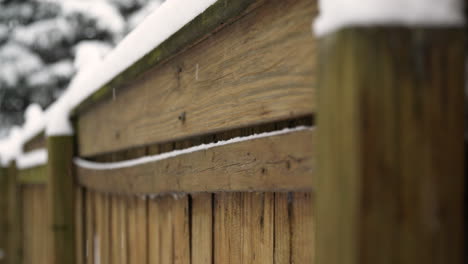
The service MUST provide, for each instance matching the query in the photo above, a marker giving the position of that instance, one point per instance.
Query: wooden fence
(239, 69)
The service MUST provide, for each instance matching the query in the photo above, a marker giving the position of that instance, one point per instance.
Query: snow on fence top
(337, 14)
(166, 20)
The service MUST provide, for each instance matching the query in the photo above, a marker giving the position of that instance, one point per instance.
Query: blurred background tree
(43, 43)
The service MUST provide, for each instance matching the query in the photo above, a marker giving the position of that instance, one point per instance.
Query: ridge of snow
(337, 14)
(32, 159)
(170, 17)
(10, 147)
(147, 159)
(166, 20)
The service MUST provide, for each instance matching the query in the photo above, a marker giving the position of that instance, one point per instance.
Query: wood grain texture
(36, 175)
(214, 18)
(390, 180)
(61, 196)
(282, 162)
(283, 227)
(245, 74)
(169, 231)
(243, 228)
(202, 228)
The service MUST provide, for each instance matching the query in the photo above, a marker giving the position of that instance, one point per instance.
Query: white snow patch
(134, 162)
(136, 18)
(90, 52)
(32, 159)
(337, 14)
(10, 147)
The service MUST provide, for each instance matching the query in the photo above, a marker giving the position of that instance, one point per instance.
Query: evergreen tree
(40, 39)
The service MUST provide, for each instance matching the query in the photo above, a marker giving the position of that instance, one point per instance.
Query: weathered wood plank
(302, 228)
(61, 198)
(282, 162)
(243, 228)
(245, 74)
(181, 230)
(227, 228)
(283, 240)
(137, 217)
(390, 180)
(36, 175)
(202, 228)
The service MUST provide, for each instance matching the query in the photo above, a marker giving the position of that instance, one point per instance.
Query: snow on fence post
(61, 195)
(390, 148)
(3, 213)
(13, 253)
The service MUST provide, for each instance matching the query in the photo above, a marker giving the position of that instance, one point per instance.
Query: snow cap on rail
(166, 20)
(337, 14)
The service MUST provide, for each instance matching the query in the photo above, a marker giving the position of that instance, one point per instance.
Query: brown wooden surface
(35, 239)
(3, 215)
(35, 175)
(282, 162)
(202, 228)
(14, 217)
(253, 71)
(390, 123)
(61, 199)
(80, 225)
(37, 142)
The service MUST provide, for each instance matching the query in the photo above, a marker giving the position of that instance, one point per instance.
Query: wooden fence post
(61, 195)
(13, 253)
(3, 213)
(390, 128)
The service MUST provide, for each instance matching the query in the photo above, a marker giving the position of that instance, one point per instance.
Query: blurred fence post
(390, 128)
(13, 253)
(60, 188)
(3, 213)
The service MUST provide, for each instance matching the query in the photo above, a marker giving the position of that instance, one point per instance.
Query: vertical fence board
(390, 122)
(14, 251)
(257, 227)
(181, 230)
(227, 228)
(244, 227)
(302, 225)
(61, 196)
(79, 226)
(4, 214)
(28, 208)
(202, 228)
(89, 227)
(283, 240)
